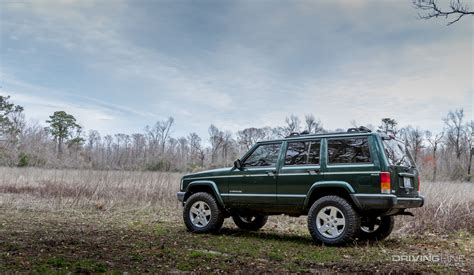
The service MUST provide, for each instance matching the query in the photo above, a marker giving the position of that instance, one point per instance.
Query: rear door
(300, 169)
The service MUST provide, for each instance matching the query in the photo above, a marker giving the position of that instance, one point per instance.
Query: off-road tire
(382, 232)
(352, 221)
(217, 216)
(258, 222)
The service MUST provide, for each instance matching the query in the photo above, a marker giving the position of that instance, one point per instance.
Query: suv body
(359, 178)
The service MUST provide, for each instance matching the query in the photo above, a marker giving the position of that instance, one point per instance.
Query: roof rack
(359, 129)
(295, 134)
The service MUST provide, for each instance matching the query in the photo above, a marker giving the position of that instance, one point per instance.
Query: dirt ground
(143, 241)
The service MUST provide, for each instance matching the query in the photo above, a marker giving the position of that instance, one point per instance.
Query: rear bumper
(180, 196)
(386, 201)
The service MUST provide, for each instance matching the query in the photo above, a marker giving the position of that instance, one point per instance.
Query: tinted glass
(264, 155)
(303, 153)
(348, 150)
(397, 153)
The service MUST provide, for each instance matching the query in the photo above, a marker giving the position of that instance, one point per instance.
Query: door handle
(271, 173)
(313, 171)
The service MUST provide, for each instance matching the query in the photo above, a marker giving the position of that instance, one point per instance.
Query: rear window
(303, 153)
(397, 153)
(348, 150)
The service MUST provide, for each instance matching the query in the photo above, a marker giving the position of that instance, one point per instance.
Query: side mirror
(238, 164)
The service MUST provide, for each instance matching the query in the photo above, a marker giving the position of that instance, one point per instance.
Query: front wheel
(376, 228)
(202, 214)
(250, 222)
(333, 221)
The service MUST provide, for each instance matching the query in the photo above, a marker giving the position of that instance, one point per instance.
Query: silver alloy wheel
(330, 222)
(200, 214)
(247, 219)
(372, 228)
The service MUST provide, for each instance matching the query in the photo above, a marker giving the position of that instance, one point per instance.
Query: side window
(264, 155)
(348, 150)
(303, 153)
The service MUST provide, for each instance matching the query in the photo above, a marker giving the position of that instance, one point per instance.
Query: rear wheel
(333, 221)
(250, 222)
(376, 228)
(202, 214)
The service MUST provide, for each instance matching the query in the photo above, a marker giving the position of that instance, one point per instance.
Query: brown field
(101, 221)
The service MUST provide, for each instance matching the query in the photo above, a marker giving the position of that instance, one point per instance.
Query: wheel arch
(204, 186)
(327, 188)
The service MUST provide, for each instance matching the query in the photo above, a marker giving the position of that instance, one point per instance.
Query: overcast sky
(120, 65)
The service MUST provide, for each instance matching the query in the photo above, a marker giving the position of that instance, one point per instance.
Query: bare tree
(434, 141)
(158, 134)
(414, 139)
(139, 146)
(163, 128)
(389, 125)
(216, 137)
(227, 145)
(470, 142)
(457, 9)
(182, 152)
(196, 149)
(156, 149)
(93, 138)
(249, 136)
(313, 126)
(152, 135)
(455, 130)
(292, 124)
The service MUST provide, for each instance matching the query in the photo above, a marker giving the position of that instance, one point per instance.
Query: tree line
(65, 144)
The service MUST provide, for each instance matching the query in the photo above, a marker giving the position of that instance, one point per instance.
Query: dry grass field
(105, 221)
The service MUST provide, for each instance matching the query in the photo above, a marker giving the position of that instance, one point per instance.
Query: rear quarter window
(349, 150)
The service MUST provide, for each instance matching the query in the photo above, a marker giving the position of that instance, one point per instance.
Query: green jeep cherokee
(350, 185)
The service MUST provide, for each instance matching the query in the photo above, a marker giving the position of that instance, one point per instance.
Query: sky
(118, 66)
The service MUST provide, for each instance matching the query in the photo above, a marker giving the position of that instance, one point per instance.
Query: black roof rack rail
(295, 134)
(359, 129)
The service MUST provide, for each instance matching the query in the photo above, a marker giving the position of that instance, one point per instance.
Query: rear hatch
(404, 175)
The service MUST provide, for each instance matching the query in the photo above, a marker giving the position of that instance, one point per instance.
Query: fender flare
(321, 184)
(207, 183)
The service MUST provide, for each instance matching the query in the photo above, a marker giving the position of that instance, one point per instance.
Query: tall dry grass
(449, 205)
(33, 188)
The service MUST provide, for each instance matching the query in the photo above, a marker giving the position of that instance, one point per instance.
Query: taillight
(385, 182)
(419, 183)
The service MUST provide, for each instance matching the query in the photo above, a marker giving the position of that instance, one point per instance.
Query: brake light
(385, 182)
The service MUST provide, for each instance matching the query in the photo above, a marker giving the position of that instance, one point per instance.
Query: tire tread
(217, 215)
(352, 220)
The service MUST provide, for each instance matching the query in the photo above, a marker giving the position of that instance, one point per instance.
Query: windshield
(397, 153)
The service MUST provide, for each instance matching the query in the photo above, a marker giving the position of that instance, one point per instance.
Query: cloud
(236, 65)
(39, 108)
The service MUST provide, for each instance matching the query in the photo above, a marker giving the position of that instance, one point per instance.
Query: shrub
(23, 160)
